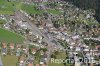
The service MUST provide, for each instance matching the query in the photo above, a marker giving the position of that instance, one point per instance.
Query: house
(42, 61)
(33, 51)
(91, 64)
(75, 53)
(30, 64)
(12, 46)
(43, 65)
(86, 49)
(98, 47)
(77, 64)
(71, 47)
(37, 64)
(25, 50)
(45, 57)
(21, 61)
(24, 26)
(77, 48)
(41, 52)
(4, 49)
(41, 27)
(72, 43)
(18, 50)
(63, 38)
(49, 24)
(30, 59)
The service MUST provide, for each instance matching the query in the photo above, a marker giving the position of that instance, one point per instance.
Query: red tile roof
(30, 64)
(92, 64)
(98, 46)
(37, 64)
(43, 64)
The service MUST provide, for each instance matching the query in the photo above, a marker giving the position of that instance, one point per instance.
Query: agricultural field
(7, 36)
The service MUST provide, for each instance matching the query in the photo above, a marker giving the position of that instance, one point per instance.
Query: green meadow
(10, 7)
(7, 36)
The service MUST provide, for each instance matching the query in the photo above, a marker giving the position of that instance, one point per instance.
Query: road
(20, 16)
(35, 30)
(45, 39)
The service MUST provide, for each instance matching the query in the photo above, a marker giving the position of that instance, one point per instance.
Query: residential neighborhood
(48, 33)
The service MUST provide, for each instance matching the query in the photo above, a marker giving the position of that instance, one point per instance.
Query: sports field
(6, 36)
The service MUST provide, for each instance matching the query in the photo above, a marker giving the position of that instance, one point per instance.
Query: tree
(88, 4)
(84, 4)
(27, 31)
(97, 15)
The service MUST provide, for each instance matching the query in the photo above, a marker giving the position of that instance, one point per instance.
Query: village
(52, 29)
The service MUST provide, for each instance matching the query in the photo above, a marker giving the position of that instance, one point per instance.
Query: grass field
(61, 55)
(31, 9)
(9, 60)
(6, 36)
(6, 7)
(10, 7)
